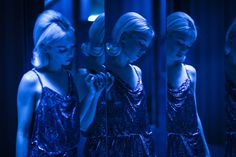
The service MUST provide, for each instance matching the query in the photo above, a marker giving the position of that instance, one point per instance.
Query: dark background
(212, 18)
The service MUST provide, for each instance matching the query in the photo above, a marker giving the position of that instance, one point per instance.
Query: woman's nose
(184, 49)
(71, 53)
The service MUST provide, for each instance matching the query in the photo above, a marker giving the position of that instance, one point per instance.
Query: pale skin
(134, 45)
(230, 60)
(104, 82)
(94, 65)
(88, 112)
(178, 44)
(53, 76)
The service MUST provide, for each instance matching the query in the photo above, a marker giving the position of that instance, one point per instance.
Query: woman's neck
(93, 65)
(54, 68)
(173, 68)
(118, 61)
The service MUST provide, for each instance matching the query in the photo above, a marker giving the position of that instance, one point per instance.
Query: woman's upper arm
(193, 75)
(80, 82)
(26, 102)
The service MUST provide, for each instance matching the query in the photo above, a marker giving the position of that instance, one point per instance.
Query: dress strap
(189, 78)
(187, 72)
(134, 67)
(40, 81)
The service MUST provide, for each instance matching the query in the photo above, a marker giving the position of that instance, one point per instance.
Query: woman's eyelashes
(143, 47)
(183, 45)
(63, 49)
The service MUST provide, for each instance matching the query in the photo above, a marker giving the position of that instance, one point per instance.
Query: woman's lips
(180, 55)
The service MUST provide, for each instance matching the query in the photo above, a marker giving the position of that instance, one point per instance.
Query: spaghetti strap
(134, 67)
(35, 71)
(187, 72)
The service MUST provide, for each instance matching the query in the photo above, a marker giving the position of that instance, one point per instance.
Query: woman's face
(232, 40)
(135, 44)
(62, 50)
(178, 45)
(99, 57)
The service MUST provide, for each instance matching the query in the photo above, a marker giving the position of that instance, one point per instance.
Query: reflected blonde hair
(228, 37)
(96, 36)
(181, 22)
(127, 23)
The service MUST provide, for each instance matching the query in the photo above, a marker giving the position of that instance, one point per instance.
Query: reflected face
(62, 50)
(136, 44)
(98, 53)
(232, 40)
(178, 45)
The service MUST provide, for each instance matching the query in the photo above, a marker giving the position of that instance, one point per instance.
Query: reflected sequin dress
(121, 128)
(184, 138)
(230, 100)
(56, 129)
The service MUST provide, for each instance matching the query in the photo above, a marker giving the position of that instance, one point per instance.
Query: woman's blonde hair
(96, 36)
(50, 26)
(181, 22)
(229, 36)
(128, 23)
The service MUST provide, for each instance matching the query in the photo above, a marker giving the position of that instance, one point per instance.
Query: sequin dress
(126, 132)
(184, 138)
(56, 129)
(230, 100)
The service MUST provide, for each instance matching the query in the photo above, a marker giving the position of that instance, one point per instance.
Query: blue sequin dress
(184, 138)
(230, 150)
(121, 124)
(56, 129)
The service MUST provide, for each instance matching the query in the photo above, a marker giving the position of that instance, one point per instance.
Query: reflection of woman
(48, 116)
(230, 85)
(185, 133)
(93, 65)
(128, 131)
(94, 116)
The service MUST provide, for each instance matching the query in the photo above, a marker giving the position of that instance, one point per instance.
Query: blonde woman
(185, 133)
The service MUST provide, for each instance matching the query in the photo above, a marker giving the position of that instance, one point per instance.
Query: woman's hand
(100, 82)
(89, 80)
(109, 81)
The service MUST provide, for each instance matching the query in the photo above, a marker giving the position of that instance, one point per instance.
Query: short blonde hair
(96, 36)
(97, 30)
(181, 22)
(229, 33)
(129, 22)
(49, 27)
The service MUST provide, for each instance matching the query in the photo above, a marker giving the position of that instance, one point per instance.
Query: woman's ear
(124, 37)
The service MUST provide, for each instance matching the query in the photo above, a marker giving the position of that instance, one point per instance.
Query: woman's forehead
(183, 36)
(63, 42)
(141, 36)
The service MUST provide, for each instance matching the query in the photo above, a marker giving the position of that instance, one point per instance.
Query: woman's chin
(67, 64)
(181, 60)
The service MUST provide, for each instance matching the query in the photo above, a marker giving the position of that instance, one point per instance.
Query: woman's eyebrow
(61, 46)
(181, 41)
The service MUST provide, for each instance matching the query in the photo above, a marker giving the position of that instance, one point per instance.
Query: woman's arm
(89, 96)
(89, 116)
(193, 75)
(25, 107)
